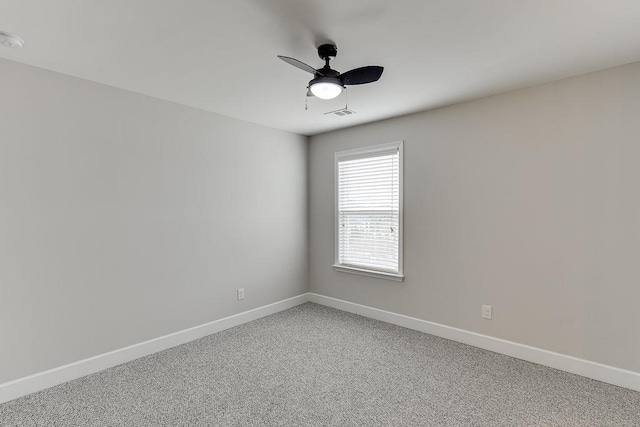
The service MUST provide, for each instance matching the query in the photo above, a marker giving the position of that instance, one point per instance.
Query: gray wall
(124, 218)
(527, 201)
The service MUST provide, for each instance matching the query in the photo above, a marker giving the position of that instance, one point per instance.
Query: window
(369, 211)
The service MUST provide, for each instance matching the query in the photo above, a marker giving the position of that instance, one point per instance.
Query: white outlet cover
(240, 294)
(486, 312)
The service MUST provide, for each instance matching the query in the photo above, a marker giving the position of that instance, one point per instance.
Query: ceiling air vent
(10, 40)
(341, 112)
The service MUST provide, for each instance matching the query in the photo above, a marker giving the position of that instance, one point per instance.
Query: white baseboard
(574, 365)
(42, 380)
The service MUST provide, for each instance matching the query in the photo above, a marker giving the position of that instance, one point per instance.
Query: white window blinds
(368, 217)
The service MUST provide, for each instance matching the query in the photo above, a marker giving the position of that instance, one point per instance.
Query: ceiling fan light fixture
(328, 83)
(325, 87)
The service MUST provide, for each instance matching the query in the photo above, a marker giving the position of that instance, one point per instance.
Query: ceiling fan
(328, 83)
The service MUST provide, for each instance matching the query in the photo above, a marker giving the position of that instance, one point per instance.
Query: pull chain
(346, 99)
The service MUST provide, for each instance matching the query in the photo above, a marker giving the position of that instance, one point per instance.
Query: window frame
(368, 152)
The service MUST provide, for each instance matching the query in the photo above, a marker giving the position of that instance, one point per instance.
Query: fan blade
(362, 75)
(299, 64)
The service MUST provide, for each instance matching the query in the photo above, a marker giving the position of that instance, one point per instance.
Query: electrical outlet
(240, 294)
(486, 312)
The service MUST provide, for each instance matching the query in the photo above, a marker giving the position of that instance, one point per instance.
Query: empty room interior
(310, 213)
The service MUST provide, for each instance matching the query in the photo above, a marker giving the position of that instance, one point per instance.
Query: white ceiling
(220, 55)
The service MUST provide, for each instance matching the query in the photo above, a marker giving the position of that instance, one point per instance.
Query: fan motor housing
(327, 72)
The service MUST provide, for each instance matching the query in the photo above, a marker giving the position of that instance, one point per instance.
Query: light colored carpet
(313, 365)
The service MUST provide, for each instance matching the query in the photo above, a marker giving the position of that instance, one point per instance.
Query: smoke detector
(9, 40)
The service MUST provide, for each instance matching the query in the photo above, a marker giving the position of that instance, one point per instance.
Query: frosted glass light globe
(325, 89)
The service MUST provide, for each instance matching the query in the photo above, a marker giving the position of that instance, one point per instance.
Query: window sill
(370, 273)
